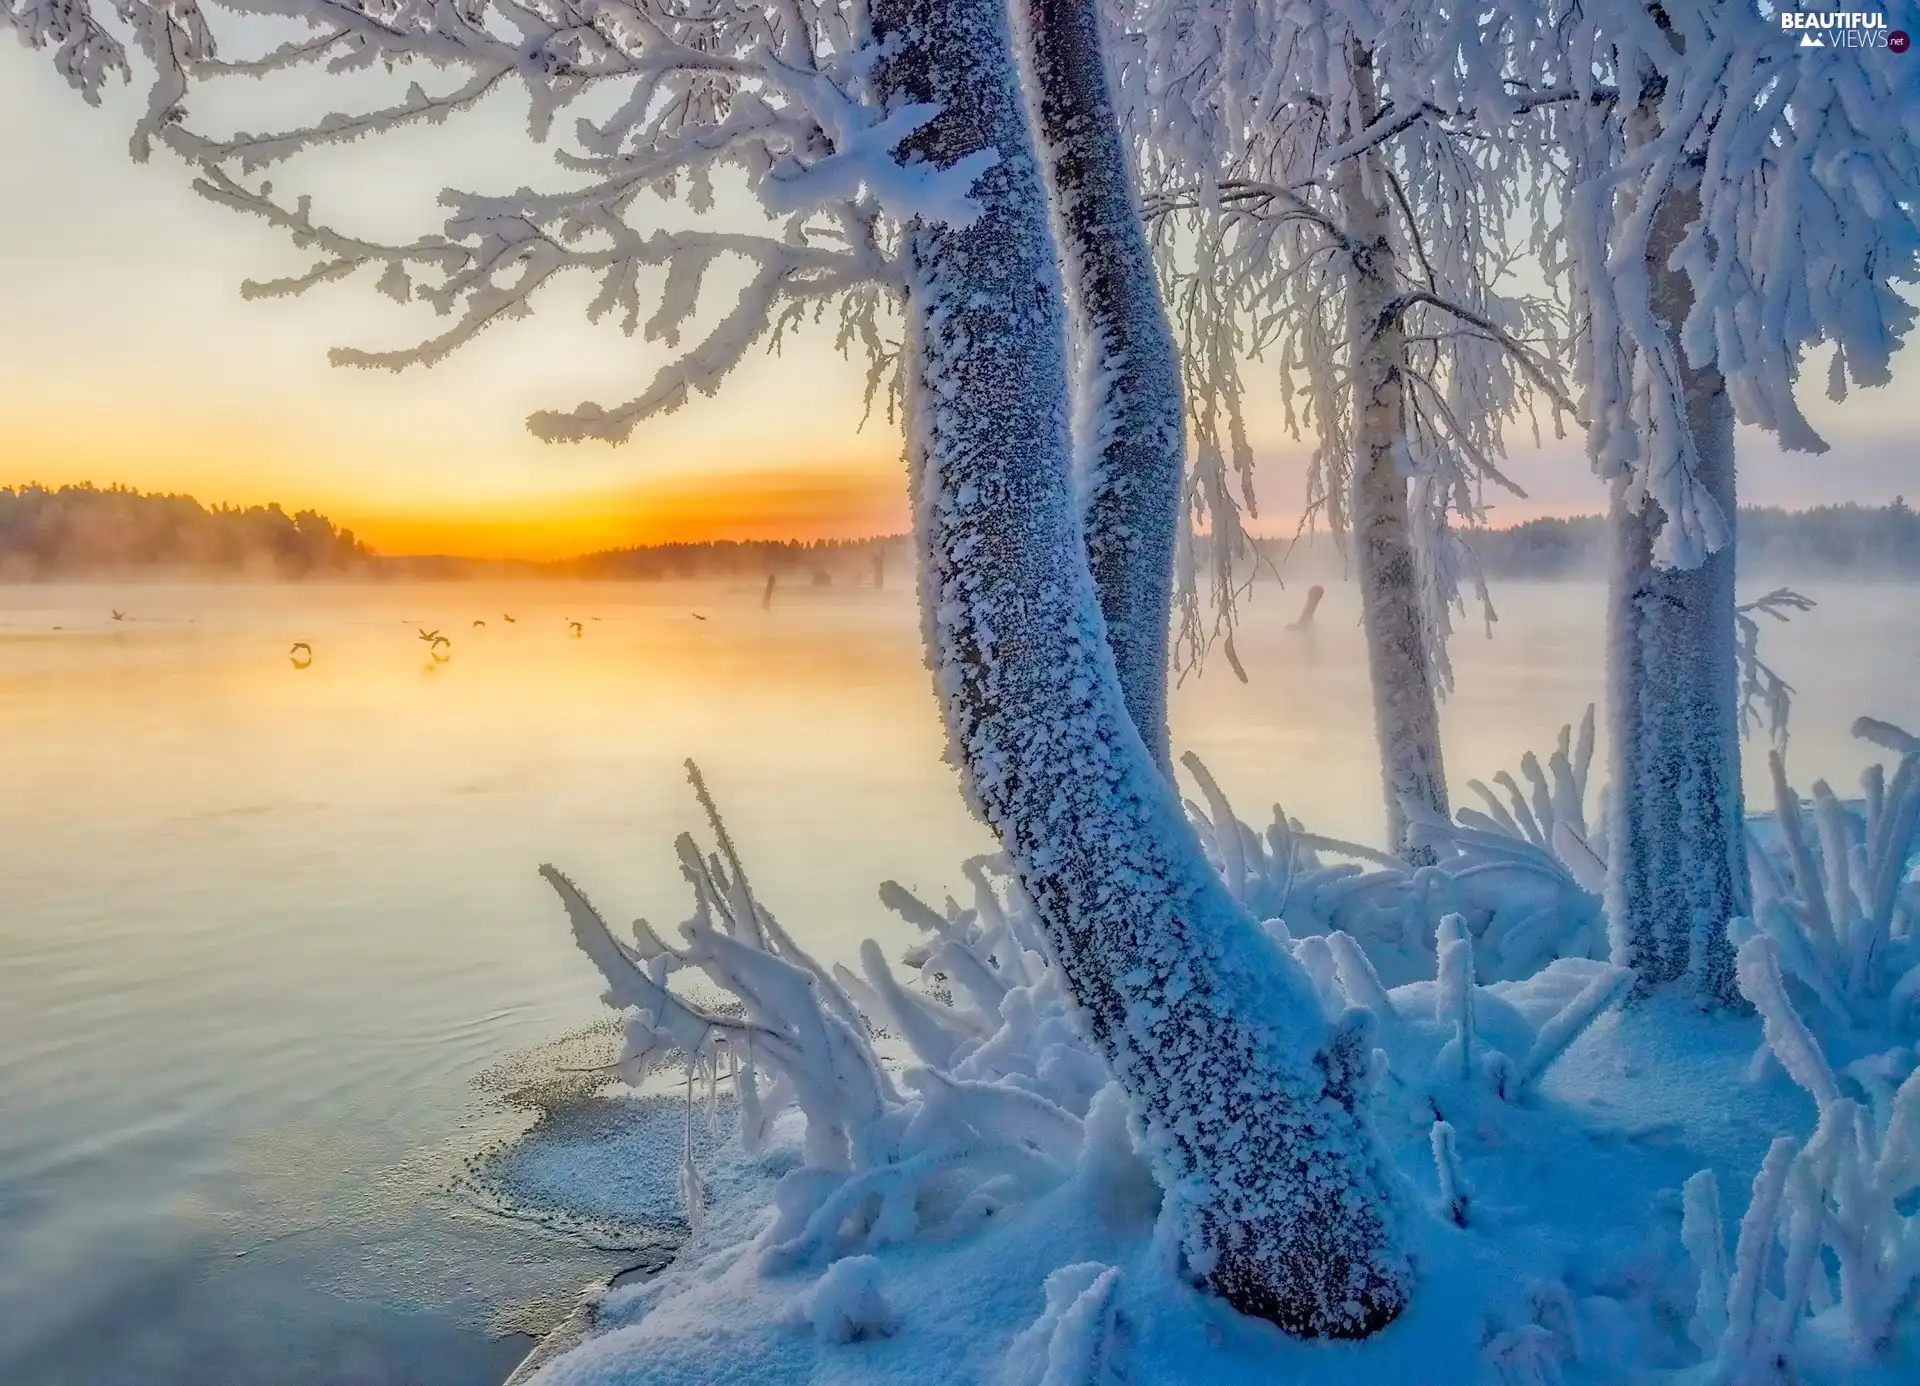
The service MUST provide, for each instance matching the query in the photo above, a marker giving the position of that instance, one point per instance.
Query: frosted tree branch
(775, 96)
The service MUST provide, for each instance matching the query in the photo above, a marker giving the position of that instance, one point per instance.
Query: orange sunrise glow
(846, 503)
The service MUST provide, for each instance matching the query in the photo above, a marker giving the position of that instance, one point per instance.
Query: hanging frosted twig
(1765, 698)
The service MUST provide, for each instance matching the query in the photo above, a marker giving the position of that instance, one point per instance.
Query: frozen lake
(261, 927)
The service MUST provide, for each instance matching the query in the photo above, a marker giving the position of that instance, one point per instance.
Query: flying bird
(507, 619)
(480, 624)
(698, 617)
(574, 627)
(294, 654)
(119, 615)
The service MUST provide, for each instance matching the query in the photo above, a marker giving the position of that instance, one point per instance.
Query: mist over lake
(263, 926)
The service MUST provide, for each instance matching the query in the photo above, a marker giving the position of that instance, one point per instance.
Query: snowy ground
(1591, 1192)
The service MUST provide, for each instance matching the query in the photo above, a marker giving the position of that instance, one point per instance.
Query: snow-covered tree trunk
(1129, 427)
(1254, 1106)
(1676, 845)
(1406, 709)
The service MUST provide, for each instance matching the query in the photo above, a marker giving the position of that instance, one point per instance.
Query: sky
(127, 355)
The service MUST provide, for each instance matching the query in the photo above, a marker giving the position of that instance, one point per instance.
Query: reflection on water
(263, 925)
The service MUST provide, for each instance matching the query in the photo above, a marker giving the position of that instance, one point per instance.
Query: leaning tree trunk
(1253, 1104)
(1676, 845)
(1406, 710)
(1129, 429)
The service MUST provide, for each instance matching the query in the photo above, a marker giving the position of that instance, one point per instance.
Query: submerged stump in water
(1305, 621)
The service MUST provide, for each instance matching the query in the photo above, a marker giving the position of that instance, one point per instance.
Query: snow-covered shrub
(949, 1100)
(936, 1102)
(1837, 897)
(1292, 876)
(1552, 814)
(1526, 876)
(1450, 1040)
(991, 960)
(980, 1120)
(1829, 1246)
(1529, 872)
(1828, 1250)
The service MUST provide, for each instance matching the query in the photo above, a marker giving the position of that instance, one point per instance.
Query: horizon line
(1259, 533)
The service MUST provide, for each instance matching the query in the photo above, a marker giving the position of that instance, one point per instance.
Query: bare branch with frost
(776, 98)
(1764, 695)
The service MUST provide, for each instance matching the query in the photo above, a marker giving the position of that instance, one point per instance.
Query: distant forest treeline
(86, 531)
(796, 559)
(818, 562)
(80, 531)
(1858, 540)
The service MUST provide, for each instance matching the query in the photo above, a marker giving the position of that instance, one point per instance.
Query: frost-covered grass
(950, 1188)
(1524, 872)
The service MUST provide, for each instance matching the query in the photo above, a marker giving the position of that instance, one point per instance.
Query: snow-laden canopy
(1254, 125)
(1805, 165)
(668, 97)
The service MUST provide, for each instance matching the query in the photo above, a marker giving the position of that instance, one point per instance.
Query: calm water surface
(260, 928)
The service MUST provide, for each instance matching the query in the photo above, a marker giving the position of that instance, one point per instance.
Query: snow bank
(1574, 1172)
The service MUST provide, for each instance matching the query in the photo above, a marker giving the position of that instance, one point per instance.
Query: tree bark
(1129, 426)
(1676, 847)
(1406, 709)
(1253, 1104)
